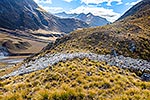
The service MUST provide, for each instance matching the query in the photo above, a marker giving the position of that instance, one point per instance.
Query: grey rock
(114, 53)
(145, 77)
(132, 47)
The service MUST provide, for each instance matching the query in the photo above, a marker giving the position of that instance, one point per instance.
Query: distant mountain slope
(89, 18)
(26, 14)
(15, 43)
(136, 8)
(65, 15)
(128, 37)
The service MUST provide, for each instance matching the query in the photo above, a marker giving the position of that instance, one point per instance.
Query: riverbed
(7, 61)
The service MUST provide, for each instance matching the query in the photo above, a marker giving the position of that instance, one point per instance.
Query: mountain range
(89, 18)
(26, 14)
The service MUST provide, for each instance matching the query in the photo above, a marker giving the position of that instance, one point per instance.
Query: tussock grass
(76, 80)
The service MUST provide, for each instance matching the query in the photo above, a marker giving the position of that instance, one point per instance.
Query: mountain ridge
(135, 9)
(89, 18)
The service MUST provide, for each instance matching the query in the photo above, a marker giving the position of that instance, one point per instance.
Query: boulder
(145, 77)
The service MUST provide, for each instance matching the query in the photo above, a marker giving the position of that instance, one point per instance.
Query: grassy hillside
(129, 37)
(77, 79)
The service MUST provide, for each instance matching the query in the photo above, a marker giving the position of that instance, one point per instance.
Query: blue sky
(109, 9)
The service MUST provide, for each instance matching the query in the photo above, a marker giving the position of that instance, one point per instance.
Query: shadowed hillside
(26, 14)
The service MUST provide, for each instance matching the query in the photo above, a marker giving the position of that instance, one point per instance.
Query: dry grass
(102, 40)
(77, 79)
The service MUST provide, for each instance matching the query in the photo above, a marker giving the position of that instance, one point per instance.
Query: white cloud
(53, 9)
(109, 14)
(133, 3)
(43, 1)
(101, 1)
(68, 0)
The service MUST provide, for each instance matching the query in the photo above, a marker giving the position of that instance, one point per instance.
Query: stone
(145, 77)
(113, 52)
(132, 47)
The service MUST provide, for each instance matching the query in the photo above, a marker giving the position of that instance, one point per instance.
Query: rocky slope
(26, 14)
(89, 18)
(135, 65)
